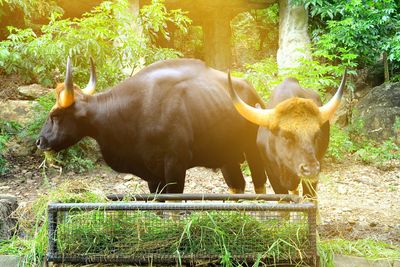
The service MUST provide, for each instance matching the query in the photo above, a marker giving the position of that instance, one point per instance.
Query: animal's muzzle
(42, 143)
(309, 169)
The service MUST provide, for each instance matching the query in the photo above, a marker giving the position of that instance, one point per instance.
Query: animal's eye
(53, 117)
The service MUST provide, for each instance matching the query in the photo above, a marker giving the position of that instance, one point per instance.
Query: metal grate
(212, 228)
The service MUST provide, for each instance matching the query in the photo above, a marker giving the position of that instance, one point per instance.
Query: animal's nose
(309, 169)
(39, 142)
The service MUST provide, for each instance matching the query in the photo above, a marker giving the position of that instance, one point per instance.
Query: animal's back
(186, 101)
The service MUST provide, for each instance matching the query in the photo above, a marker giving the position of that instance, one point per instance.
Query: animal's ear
(65, 93)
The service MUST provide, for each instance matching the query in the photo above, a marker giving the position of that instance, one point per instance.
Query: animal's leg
(274, 178)
(234, 178)
(257, 170)
(174, 174)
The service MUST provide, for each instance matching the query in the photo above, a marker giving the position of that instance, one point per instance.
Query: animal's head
(296, 135)
(63, 126)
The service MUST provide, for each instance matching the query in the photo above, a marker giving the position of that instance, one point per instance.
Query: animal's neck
(101, 113)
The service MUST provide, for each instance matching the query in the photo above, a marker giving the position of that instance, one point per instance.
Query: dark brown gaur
(293, 135)
(169, 117)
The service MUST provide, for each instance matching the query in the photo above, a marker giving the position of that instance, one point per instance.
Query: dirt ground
(355, 200)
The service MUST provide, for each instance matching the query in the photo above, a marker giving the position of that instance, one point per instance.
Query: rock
(20, 147)
(33, 91)
(368, 78)
(128, 177)
(373, 224)
(352, 261)
(28, 175)
(8, 204)
(20, 111)
(9, 261)
(379, 109)
(341, 189)
(341, 116)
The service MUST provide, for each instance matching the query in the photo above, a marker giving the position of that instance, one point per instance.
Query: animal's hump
(177, 63)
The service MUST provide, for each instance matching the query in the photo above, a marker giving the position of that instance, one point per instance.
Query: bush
(32, 240)
(7, 130)
(255, 34)
(106, 33)
(340, 144)
(353, 140)
(312, 74)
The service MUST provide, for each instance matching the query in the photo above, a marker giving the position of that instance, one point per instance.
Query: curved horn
(329, 108)
(66, 96)
(91, 87)
(255, 115)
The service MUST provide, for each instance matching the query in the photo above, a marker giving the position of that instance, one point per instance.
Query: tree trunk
(386, 67)
(217, 41)
(293, 35)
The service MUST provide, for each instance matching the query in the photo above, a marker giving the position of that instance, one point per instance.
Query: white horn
(255, 115)
(329, 108)
(91, 87)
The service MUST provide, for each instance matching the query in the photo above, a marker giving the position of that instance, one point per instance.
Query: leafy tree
(355, 32)
(31, 8)
(105, 33)
(260, 22)
(155, 18)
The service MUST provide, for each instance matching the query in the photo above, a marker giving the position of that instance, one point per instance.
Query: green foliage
(355, 32)
(31, 8)
(353, 140)
(247, 26)
(262, 75)
(33, 222)
(366, 248)
(41, 111)
(7, 130)
(340, 144)
(311, 74)
(190, 43)
(106, 33)
(78, 158)
(155, 18)
(396, 125)
(373, 152)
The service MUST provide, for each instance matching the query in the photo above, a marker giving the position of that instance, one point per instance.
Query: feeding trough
(270, 229)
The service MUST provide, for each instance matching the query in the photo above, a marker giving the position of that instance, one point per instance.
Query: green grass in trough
(221, 234)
